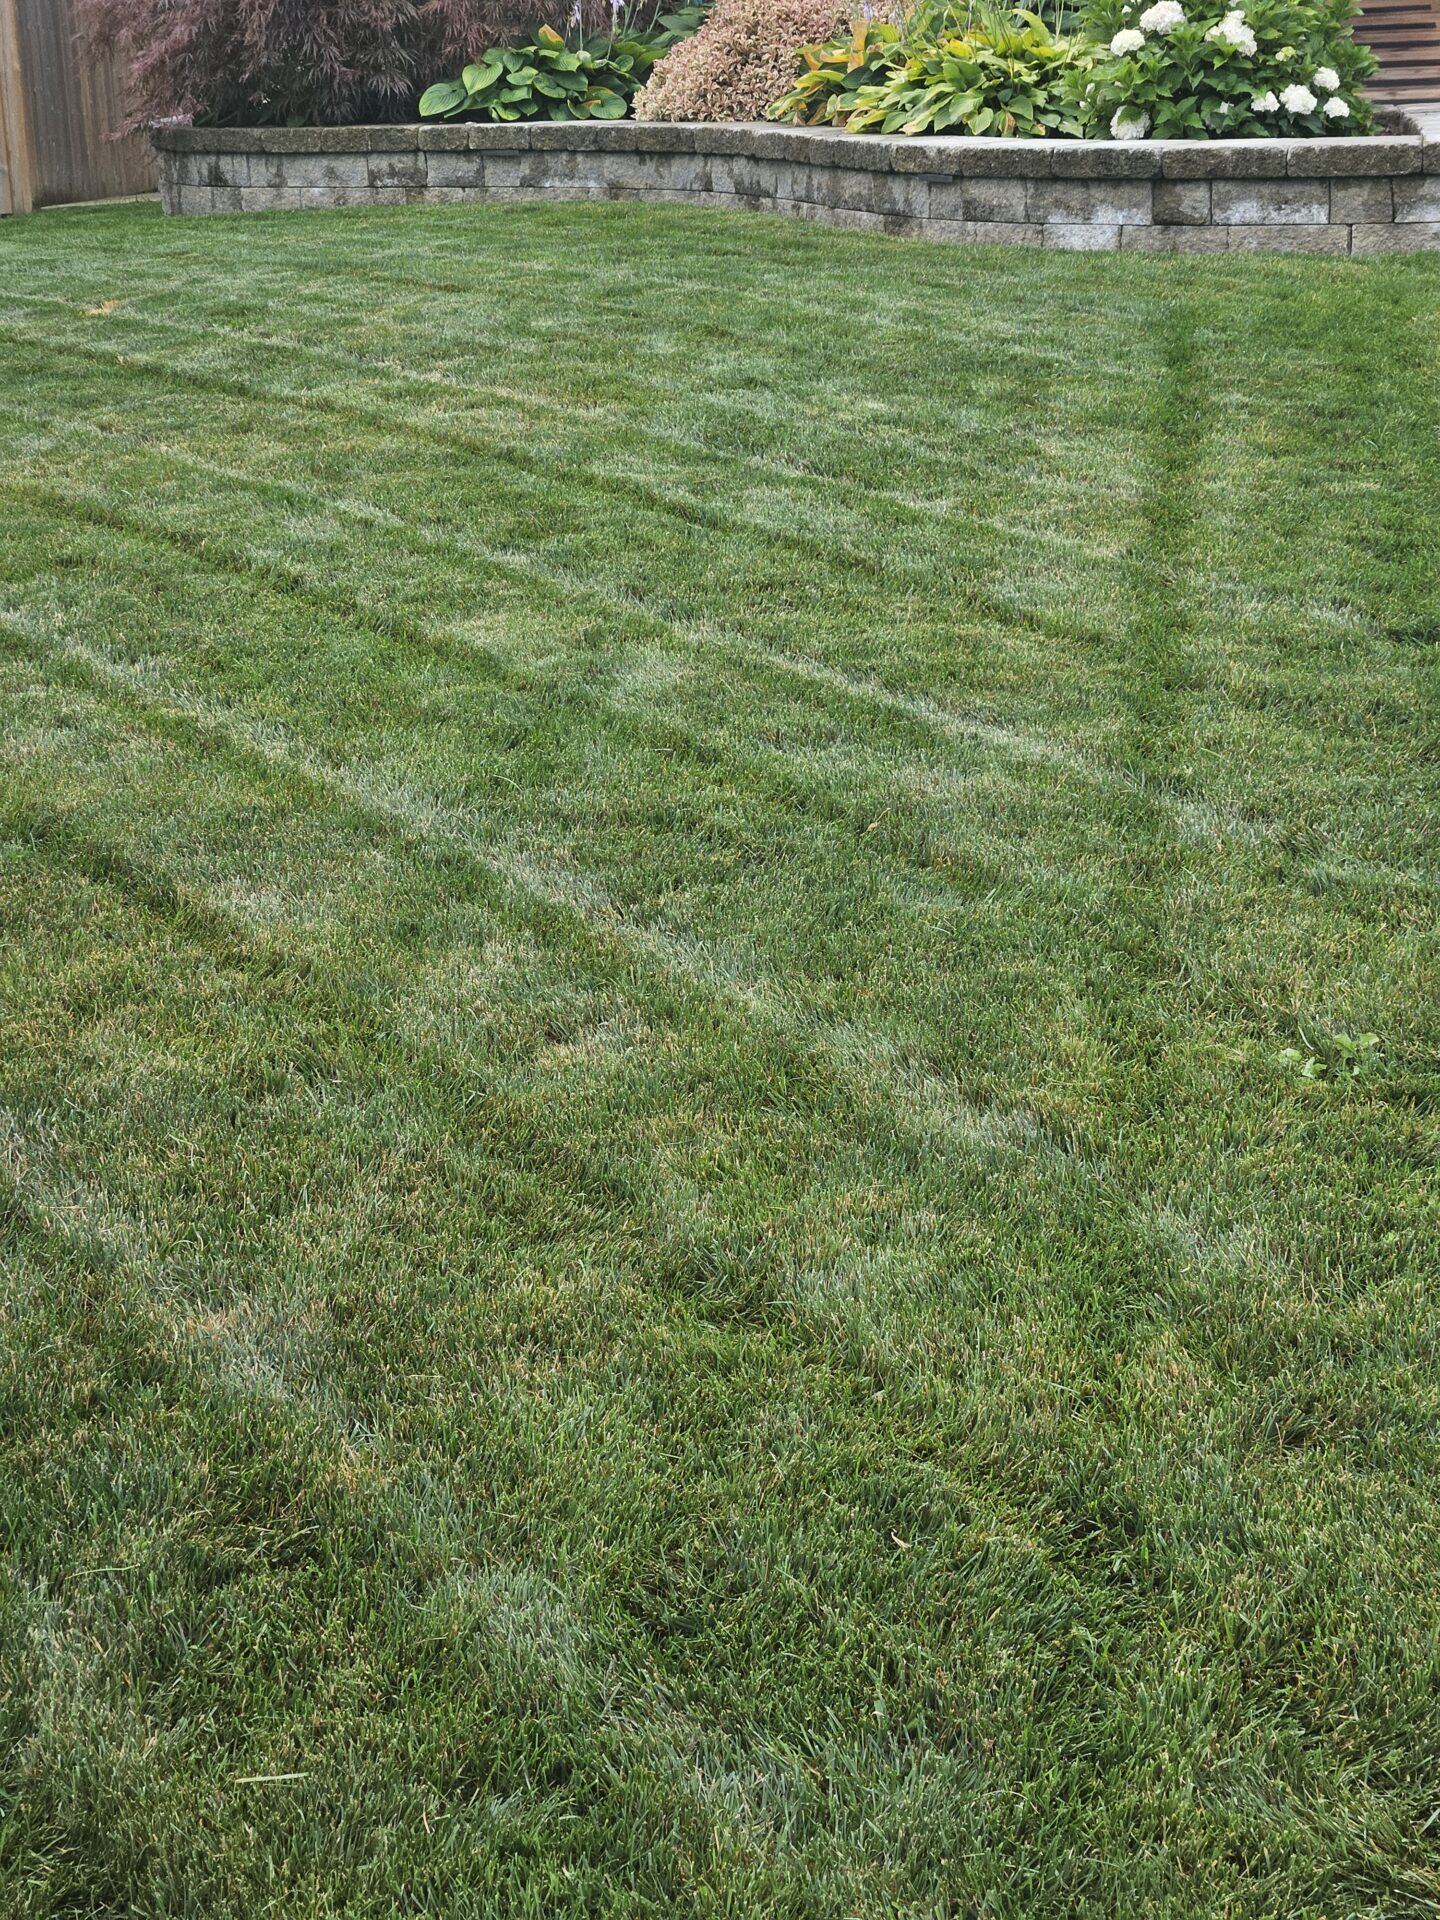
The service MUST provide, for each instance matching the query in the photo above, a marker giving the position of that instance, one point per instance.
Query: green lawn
(663, 1251)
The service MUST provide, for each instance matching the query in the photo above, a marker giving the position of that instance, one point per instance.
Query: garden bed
(1379, 194)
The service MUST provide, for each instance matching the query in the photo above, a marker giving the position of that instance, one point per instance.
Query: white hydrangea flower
(1128, 124)
(1266, 103)
(1163, 17)
(1326, 79)
(1234, 32)
(1336, 109)
(1127, 41)
(1297, 99)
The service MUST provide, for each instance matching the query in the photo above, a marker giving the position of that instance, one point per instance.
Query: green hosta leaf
(446, 96)
(481, 74)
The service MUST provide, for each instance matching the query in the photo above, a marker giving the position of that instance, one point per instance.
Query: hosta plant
(548, 79)
(1199, 69)
(545, 80)
(832, 73)
(1002, 74)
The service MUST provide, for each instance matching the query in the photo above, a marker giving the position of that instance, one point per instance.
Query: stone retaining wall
(1362, 195)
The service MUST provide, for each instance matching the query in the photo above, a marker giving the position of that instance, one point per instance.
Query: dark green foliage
(548, 79)
(1191, 83)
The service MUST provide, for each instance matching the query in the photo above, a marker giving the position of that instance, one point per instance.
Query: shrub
(1191, 69)
(1002, 74)
(741, 60)
(309, 61)
(832, 72)
(549, 80)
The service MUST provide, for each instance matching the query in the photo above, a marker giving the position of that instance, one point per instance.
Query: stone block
(454, 196)
(1182, 203)
(980, 199)
(501, 171)
(1361, 199)
(1253, 203)
(582, 136)
(1361, 154)
(1223, 159)
(662, 136)
(302, 170)
(938, 156)
(216, 139)
(1287, 237)
(513, 138)
(855, 219)
(455, 169)
(892, 195)
(986, 159)
(1396, 236)
(313, 140)
(829, 147)
(1418, 198)
(1430, 155)
(723, 137)
(398, 169)
(393, 139)
(1174, 239)
(1085, 236)
(1106, 203)
(750, 179)
(1010, 233)
(1103, 159)
(448, 136)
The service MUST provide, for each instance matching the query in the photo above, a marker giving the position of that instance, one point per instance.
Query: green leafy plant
(548, 79)
(832, 73)
(544, 80)
(1002, 74)
(1334, 1056)
(1252, 69)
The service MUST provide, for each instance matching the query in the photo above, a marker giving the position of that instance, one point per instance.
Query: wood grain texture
(68, 107)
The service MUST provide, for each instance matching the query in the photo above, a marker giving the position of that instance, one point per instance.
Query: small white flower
(1234, 32)
(1336, 109)
(1297, 99)
(1326, 79)
(1127, 41)
(1163, 17)
(1222, 109)
(1265, 103)
(1128, 124)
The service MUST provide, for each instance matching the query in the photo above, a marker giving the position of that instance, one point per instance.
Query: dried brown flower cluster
(741, 60)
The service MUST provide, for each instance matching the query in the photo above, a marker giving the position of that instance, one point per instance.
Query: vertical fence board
(73, 104)
(15, 181)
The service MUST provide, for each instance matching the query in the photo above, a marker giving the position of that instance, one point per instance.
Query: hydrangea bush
(1201, 69)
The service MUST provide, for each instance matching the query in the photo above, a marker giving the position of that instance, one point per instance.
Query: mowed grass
(660, 1253)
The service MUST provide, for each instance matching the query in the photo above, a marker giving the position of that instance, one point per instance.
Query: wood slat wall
(1404, 35)
(59, 107)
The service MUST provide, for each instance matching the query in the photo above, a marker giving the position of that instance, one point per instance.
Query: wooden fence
(59, 108)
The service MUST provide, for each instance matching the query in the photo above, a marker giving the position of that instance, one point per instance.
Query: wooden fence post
(17, 179)
(17, 182)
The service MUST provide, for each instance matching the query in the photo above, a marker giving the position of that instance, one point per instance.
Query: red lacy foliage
(318, 62)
